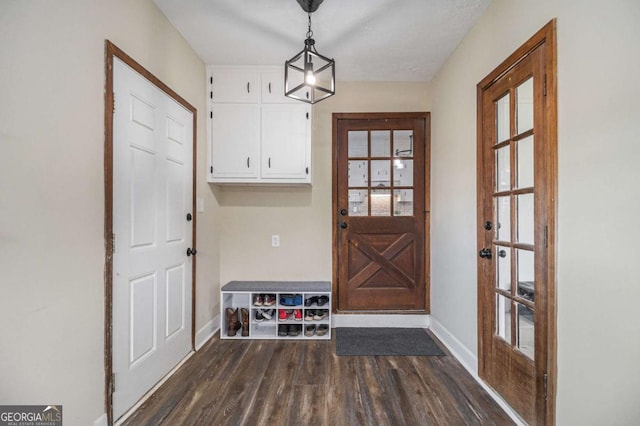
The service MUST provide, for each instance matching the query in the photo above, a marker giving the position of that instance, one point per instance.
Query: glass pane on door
(380, 173)
(503, 274)
(503, 119)
(403, 202)
(380, 202)
(380, 143)
(402, 172)
(503, 218)
(526, 330)
(503, 169)
(525, 218)
(358, 173)
(524, 112)
(358, 144)
(526, 274)
(503, 317)
(525, 162)
(358, 202)
(403, 143)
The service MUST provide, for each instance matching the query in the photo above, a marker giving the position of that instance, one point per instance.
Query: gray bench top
(278, 286)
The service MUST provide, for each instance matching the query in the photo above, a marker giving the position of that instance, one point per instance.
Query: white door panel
(152, 194)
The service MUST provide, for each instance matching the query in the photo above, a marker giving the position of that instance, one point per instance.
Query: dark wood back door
(380, 215)
(516, 211)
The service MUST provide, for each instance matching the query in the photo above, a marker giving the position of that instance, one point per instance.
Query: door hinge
(211, 80)
(211, 94)
(113, 98)
(113, 382)
(546, 380)
(113, 243)
(546, 236)
(211, 114)
(211, 168)
(544, 87)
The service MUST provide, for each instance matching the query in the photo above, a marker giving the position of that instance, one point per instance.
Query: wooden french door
(380, 213)
(516, 212)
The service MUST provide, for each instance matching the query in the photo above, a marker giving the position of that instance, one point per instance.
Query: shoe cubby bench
(296, 310)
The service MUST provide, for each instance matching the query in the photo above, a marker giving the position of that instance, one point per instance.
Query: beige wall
(598, 205)
(301, 216)
(51, 190)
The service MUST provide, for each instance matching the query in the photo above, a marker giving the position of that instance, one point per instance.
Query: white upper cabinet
(284, 155)
(235, 86)
(256, 135)
(273, 88)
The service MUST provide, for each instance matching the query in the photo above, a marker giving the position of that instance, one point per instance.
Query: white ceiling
(371, 40)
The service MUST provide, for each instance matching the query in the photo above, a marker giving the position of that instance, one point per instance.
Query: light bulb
(310, 78)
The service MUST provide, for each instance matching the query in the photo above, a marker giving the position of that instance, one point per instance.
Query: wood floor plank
(262, 382)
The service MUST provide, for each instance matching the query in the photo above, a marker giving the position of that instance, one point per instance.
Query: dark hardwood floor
(279, 382)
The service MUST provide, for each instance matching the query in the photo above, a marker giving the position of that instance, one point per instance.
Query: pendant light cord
(309, 32)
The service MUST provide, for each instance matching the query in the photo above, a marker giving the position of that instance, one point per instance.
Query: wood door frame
(111, 51)
(546, 384)
(336, 117)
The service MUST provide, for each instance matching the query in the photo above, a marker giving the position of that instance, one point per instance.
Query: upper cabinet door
(235, 85)
(273, 88)
(285, 142)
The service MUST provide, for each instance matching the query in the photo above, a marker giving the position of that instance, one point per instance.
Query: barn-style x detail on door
(516, 228)
(380, 211)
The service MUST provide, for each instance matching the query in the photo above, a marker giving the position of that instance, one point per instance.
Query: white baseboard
(468, 359)
(207, 331)
(101, 421)
(380, 320)
(470, 362)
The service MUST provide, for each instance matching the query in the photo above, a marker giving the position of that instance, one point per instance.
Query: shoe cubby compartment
(279, 310)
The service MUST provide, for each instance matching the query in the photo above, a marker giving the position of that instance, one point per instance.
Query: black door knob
(189, 217)
(343, 225)
(191, 251)
(485, 253)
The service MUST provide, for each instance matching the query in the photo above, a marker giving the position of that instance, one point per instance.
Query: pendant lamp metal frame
(306, 91)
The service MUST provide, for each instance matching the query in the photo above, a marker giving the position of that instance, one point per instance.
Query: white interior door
(152, 195)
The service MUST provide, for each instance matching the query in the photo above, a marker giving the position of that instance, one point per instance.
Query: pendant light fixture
(309, 76)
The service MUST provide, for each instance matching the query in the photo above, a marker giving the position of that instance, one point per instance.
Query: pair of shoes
(264, 314)
(289, 330)
(287, 314)
(310, 330)
(264, 299)
(322, 329)
(233, 325)
(318, 300)
(315, 314)
(291, 299)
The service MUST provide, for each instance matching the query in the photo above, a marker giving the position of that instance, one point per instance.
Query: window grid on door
(380, 172)
(513, 197)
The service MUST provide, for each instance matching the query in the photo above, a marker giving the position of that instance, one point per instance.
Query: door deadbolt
(191, 251)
